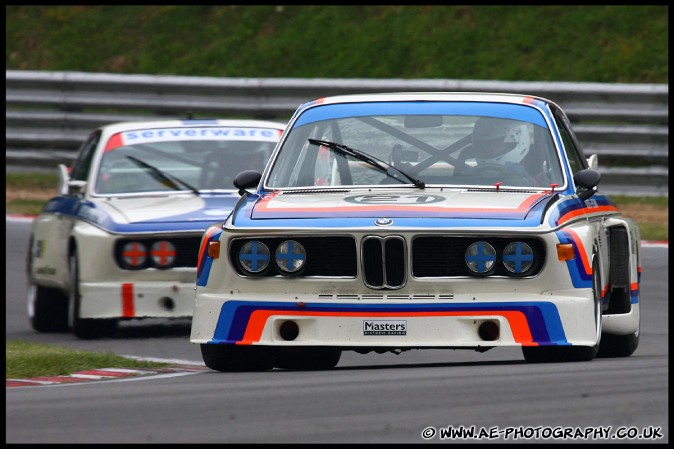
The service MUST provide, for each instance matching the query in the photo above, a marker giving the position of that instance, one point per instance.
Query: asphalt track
(414, 397)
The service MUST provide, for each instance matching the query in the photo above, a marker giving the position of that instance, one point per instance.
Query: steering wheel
(491, 169)
(461, 167)
(487, 167)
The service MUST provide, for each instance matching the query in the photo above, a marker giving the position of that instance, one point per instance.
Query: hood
(172, 209)
(156, 214)
(481, 207)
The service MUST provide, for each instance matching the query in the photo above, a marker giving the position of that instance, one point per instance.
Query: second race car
(121, 239)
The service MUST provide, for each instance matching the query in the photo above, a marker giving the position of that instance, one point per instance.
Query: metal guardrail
(48, 114)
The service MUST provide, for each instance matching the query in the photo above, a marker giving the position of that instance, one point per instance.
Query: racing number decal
(394, 199)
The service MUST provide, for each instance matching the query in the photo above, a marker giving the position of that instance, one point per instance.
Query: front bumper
(159, 299)
(560, 318)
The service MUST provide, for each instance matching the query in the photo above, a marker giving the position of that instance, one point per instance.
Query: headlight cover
(518, 257)
(480, 257)
(163, 253)
(254, 256)
(290, 256)
(134, 254)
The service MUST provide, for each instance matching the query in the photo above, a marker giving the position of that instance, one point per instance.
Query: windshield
(161, 162)
(435, 143)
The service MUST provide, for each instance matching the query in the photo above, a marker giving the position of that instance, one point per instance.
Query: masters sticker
(385, 327)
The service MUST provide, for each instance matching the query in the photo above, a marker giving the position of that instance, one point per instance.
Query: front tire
(557, 354)
(233, 358)
(85, 328)
(553, 354)
(618, 345)
(47, 307)
(307, 358)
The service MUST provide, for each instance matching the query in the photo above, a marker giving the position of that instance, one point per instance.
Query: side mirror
(586, 181)
(67, 186)
(247, 179)
(76, 187)
(63, 178)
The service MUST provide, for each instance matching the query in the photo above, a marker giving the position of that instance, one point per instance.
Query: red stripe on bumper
(128, 309)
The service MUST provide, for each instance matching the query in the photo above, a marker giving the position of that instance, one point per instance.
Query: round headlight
(163, 253)
(254, 256)
(518, 257)
(480, 257)
(290, 256)
(134, 254)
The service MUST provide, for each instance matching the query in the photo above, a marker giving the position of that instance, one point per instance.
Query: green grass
(613, 43)
(660, 201)
(655, 232)
(33, 181)
(650, 213)
(26, 193)
(24, 207)
(25, 360)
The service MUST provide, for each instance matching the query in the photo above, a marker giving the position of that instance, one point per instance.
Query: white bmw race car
(121, 240)
(387, 222)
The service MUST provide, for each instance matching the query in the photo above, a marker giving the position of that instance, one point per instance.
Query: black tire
(232, 358)
(554, 354)
(85, 328)
(47, 309)
(313, 359)
(618, 345)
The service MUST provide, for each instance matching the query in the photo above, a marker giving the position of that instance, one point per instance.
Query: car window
(513, 148)
(82, 164)
(162, 164)
(572, 149)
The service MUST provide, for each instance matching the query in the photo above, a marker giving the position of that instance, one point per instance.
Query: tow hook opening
(489, 331)
(289, 330)
(167, 303)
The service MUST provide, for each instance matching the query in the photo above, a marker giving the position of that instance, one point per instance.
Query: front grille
(328, 256)
(384, 259)
(384, 262)
(187, 251)
(438, 256)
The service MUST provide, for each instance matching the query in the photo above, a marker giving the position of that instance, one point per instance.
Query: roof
(130, 125)
(431, 96)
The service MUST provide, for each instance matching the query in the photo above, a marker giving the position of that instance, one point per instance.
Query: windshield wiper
(371, 160)
(165, 177)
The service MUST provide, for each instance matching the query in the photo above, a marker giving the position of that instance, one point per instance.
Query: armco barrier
(48, 114)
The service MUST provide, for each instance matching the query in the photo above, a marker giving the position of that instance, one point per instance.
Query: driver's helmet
(499, 141)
